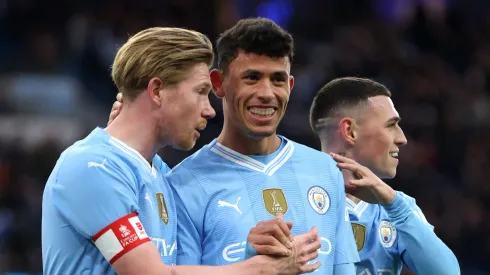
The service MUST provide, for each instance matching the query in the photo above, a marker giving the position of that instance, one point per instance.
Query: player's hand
(116, 108)
(305, 249)
(272, 237)
(360, 177)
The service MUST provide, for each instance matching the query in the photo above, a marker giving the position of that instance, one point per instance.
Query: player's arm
(345, 246)
(98, 196)
(304, 249)
(420, 248)
(145, 259)
(131, 263)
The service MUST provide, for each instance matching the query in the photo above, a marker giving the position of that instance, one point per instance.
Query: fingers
(308, 245)
(271, 237)
(289, 225)
(359, 183)
(356, 169)
(281, 232)
(308, 237)
(119, 97)
(116, 106)
(279, 229)
(310, 267)
(313, 246)
(285, 238)
(116, 109)
(349, 166)
(269, 245)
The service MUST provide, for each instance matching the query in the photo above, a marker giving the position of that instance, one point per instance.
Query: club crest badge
(275, 201)
(162, 208)
(387, 234)
(359, 231)
(319, 199)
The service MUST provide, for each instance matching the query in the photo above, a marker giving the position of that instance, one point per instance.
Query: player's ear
(217, 78)
(348, 130)
(154, 89)
(291, 83)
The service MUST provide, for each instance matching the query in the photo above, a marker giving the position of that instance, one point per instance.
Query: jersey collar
(358, 208)
(134, 154)
(250, 163)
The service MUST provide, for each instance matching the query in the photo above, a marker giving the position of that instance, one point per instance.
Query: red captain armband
(119, 237)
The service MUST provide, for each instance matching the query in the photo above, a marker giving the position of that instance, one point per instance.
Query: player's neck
(332, 146)
(247, 146)
(132, 129)
(354, 199)
(335, 148)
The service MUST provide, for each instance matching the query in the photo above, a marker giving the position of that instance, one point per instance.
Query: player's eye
(203, 91)
(253, 77)
(393, 125)
(279, 79)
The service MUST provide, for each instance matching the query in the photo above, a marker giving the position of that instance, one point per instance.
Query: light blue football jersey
(95, 182)
(378, 242)
(221, 194)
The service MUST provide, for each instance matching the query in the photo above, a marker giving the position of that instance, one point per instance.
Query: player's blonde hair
(166, 53)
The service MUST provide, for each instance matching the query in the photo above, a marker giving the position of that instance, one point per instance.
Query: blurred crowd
(434, 55)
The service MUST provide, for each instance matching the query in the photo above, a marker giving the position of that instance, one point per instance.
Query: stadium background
(434, 55)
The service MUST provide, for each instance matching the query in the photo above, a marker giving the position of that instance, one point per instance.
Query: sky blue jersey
(389, 236)
(101, 200)
(221, 194)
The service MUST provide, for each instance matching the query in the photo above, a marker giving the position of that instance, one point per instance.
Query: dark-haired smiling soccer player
(356, 117)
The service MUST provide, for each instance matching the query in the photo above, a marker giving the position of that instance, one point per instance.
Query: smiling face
(256, 91)
(379, 137)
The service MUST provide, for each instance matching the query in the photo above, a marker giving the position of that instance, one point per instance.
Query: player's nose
(400, 138)
(265, 91)
(208, 112)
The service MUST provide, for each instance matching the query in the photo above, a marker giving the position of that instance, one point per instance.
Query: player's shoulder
(90, 149)
(195, 163)
(96, 150)
(311, 154)
(201, 159)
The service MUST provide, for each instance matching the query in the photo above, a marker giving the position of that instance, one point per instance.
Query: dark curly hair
(253, 35)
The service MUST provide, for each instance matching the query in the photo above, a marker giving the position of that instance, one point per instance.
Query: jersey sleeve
(190, 202)
(417, 212)
(346, 250)
(420, 248)
(97, 196)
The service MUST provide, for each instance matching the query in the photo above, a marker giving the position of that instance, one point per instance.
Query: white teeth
(395, 155)
(262, 111)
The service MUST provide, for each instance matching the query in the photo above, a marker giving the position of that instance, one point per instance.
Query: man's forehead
(383, 105)
(199, 75)
(253, 61)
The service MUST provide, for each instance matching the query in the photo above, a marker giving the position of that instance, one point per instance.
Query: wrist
(390, 196)
(259, 265)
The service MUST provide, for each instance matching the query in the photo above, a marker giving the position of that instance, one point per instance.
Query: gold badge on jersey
(162, 207)
(359, 231)
(275, 201)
